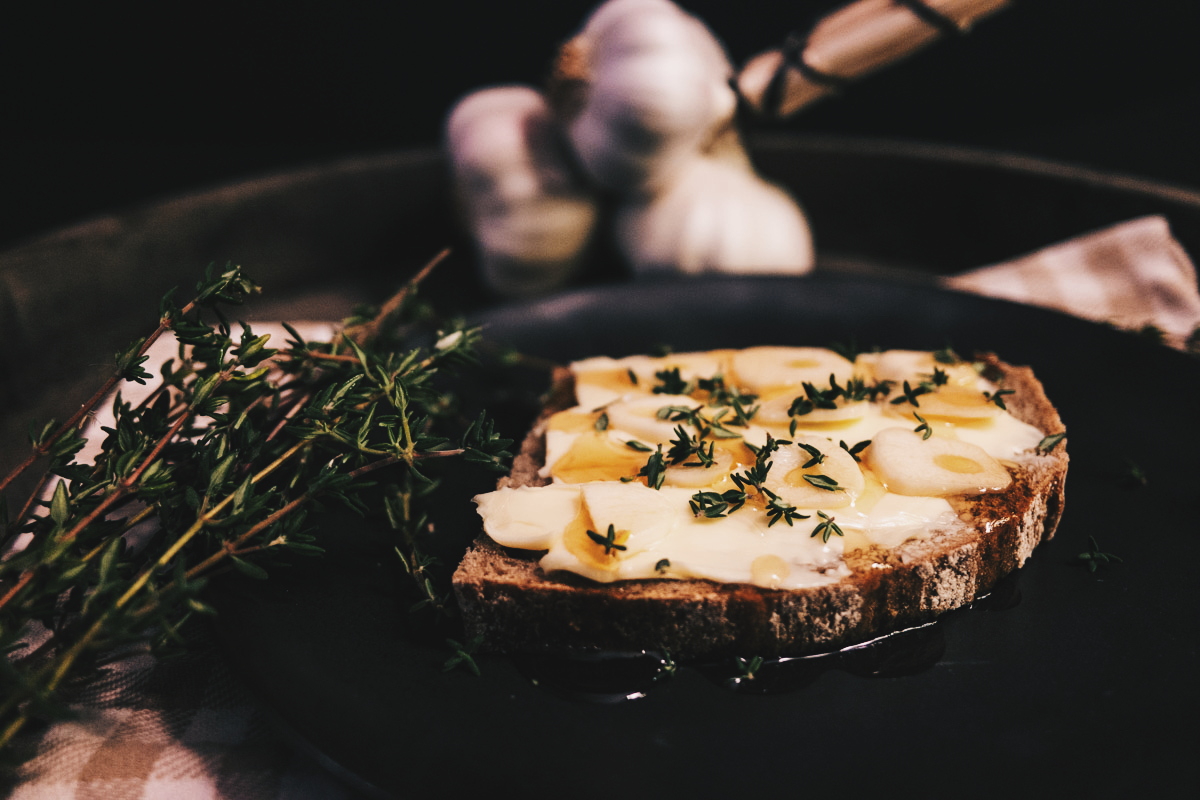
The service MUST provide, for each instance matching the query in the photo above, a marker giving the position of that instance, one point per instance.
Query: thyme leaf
(748, 667)
(910, 394)
(608, 540)
(712, 505)
(997, 397)
(856, 449)
(463, 655)
(816, 456)
(823, 482)
(655, 469)
(946, 356)
(1048, 443)
(671, 382)
(1095, 558)
(778, 509)
(923, 428)
(826, 528)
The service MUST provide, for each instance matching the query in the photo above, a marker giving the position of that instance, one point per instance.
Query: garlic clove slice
(936, 467)
(767, 368)
(836, 478)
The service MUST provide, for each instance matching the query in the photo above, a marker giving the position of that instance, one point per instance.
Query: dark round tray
(1065, 667)
(1087, 676)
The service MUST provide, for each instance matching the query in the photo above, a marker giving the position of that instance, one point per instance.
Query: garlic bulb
(656, 93)
(643, 108)
(716, 217)
(529, 212)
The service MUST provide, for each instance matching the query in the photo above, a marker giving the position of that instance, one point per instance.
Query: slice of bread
(507, 599)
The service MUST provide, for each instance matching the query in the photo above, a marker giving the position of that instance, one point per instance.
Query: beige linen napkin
(187, 729)
(1132, 275)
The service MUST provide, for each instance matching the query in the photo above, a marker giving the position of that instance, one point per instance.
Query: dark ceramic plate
(1078, 682)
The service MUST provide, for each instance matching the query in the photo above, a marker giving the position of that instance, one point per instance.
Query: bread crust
(507, 600)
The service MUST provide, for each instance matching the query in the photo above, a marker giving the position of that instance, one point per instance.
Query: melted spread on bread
(774, 466)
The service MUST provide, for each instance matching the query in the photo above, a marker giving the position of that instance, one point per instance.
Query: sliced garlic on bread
(829, 479)
(762, 369)
(911, 465)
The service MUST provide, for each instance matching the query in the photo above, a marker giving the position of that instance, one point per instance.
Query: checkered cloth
(1131, 275)
(174, 729)
(186, 729)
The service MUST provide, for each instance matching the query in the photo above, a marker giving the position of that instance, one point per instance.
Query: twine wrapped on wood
(850, 43)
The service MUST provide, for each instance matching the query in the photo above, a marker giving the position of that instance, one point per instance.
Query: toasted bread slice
(507, 599)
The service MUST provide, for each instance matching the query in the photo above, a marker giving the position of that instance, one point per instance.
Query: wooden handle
(850, 43)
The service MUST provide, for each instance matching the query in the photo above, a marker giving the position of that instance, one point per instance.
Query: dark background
(110, 107)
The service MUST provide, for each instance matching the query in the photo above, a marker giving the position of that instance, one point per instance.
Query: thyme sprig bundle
(226, 456)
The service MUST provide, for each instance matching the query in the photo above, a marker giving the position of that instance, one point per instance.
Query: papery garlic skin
(716, 217)
(529, 212)
(657, 93)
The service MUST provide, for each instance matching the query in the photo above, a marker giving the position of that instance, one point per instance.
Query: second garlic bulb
(528, 210)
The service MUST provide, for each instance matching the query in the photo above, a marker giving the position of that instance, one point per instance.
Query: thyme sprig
(946, 356)
(655, 469)
(463, 655)
(997, 397)
(671, 382)
(748, 667)
(826, 528)
(779, 509)
(227, 455)
(823, 482)
(1048, 443)
(713, 505)
(685, 445)
(1094, 557)
(856, 449)
(909, 394)
(855, 391)
(706, 426)
(815, 455)
(720, 393)
(608, 540)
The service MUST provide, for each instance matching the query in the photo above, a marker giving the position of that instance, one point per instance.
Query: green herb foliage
(826, 527)
(463, 655)
(655, 469)
(608, 541)
(748, 667)
(712, 505)
(997, 397)
(228, 454)
(1050, 442)
(1095, 558)
(946, 355)
(910, 394)
(856, 449)
(670, 382)
(779, 509)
